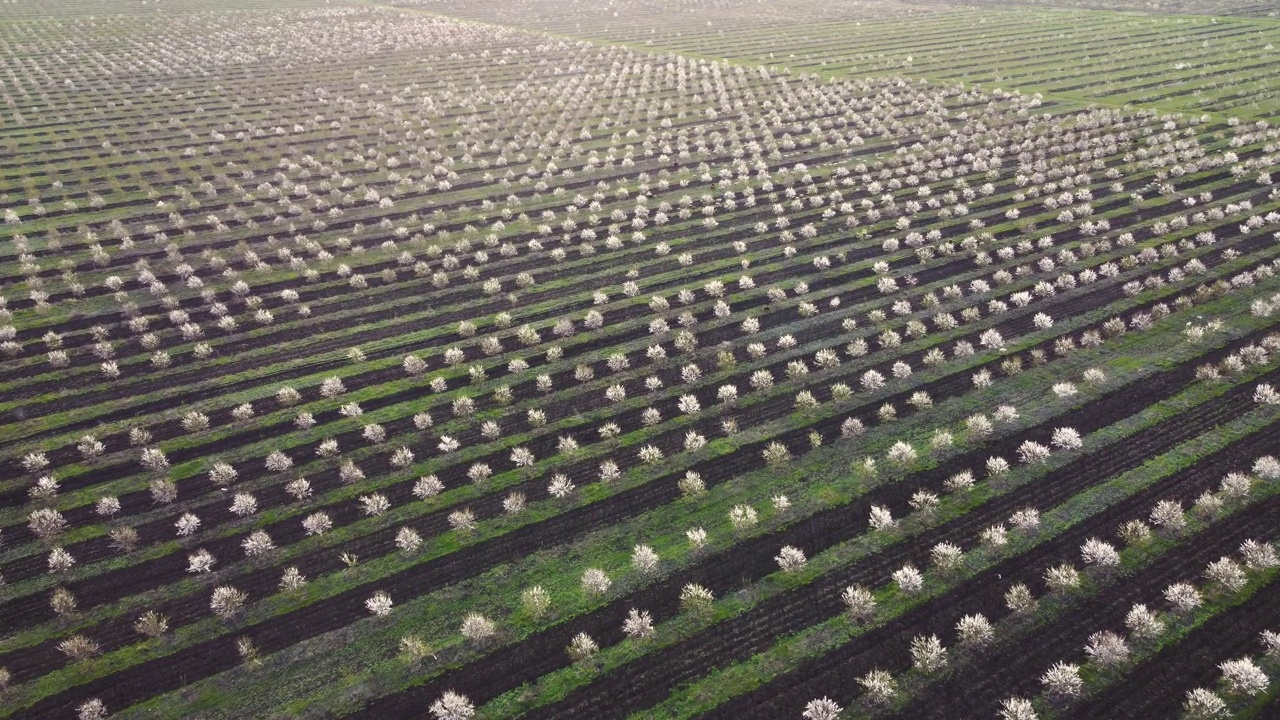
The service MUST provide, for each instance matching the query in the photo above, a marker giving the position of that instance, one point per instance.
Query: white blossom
(477, 627)
(1243, 677)
(821, 709)
(790, 558)
(639, 624)
(187, 524)
(379, 604)
(595, 581)
(1017, 709)
(908, 579)
(1107, 648)
(975, 629)
(927, 654)
(644, 559)
(201, 561)
(879, 686)
(452, 706)
(1204, 704)
(1063, 680)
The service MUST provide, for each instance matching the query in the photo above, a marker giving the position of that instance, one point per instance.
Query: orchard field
(693, 359)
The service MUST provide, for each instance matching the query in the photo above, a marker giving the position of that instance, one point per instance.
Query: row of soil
(817, 159)
(442, 117)
(269, 338)
(975, 687)
(745, 563)
(651, 679)
(1218, 71)
(584, 180)
(345, 512)
(271, 302)
(938, 37)
(779, 406)
(969, 689)
(172, 429)
(261, 340)
(126, 580)
(1028, 73)
(1157, 687)
(410, 290)
(273, 635)
(592, 395)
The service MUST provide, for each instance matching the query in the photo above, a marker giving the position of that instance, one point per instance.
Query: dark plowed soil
(1157, 688)
(1014, 670)
(647, 678)
(1009, 669)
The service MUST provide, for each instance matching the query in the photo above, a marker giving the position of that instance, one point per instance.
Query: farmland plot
(1186, 63)
(444, 360)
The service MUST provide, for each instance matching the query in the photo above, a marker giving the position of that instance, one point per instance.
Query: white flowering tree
(1063, 681)
(638, 624)
(821, 709)
(452, 706)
